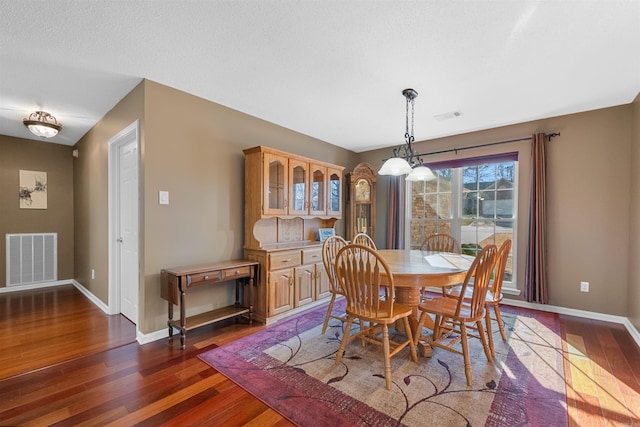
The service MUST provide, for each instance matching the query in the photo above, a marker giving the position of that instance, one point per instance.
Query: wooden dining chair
(455, 315)
(330, 249)
(494, 293)
(360, 271)
(440, 242)
(364, 239)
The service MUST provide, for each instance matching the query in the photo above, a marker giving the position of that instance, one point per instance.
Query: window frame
(457, 183)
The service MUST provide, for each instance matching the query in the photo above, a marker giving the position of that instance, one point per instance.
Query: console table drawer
(284, 259)
(236, 273)
(200, 278)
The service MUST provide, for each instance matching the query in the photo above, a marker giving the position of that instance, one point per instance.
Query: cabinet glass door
(276, 184)
(334, 193)
(298, 180)
(318, 191)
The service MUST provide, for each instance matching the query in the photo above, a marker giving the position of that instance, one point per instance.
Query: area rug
(291, 367)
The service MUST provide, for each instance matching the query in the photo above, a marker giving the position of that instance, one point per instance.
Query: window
(474, 200)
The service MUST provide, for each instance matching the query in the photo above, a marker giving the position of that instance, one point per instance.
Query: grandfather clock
(361, 201)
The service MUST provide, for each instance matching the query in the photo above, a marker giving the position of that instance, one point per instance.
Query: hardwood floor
(602, 373)
(64, 362)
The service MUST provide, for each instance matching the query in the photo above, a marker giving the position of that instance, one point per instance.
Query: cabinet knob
(206, 277)
(237, 271)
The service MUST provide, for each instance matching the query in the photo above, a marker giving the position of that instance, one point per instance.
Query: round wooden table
(411, 272)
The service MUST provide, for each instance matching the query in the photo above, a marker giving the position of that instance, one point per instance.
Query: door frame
(115, 142)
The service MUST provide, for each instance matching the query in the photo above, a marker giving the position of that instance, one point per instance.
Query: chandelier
(405, 160)
(42, 124)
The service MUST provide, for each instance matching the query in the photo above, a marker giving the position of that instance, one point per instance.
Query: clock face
(363, 191)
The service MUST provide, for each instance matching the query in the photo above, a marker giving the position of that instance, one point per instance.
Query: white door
(126, 270)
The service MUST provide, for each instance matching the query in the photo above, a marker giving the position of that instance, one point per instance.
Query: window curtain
(536, 273)
(395, 214)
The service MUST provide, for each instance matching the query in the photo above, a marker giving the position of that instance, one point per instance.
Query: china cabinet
(288, 198)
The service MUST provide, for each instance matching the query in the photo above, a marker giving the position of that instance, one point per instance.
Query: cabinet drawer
(199, 278)
(284, 259)
(236, 273)
(311, 256)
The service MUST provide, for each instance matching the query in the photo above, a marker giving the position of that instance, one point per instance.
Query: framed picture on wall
(33, 189)
(323, 233)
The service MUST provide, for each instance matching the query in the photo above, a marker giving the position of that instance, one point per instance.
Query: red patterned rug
(291, 367)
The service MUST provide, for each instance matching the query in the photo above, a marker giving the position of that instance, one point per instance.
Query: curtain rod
(551, 135)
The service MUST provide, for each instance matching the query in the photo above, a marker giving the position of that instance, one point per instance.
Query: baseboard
(632, 330)
(578, 313)
(155, 336)
(31, 286)
(102, 306)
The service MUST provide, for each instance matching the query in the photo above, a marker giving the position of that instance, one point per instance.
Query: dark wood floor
(64, 362)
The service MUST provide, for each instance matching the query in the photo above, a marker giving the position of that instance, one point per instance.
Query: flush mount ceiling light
(405, 160)
(42, 124)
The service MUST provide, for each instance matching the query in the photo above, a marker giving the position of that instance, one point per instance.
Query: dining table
(414, 270)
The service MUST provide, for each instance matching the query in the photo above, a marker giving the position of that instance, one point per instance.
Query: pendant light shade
(420, 173)
(395, 166)
(42, 124)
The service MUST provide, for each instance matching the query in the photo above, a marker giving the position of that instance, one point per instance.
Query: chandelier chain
(412, 116)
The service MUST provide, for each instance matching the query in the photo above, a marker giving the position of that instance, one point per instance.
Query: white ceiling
(330, 69)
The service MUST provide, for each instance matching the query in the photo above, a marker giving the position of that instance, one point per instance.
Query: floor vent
(32, 258)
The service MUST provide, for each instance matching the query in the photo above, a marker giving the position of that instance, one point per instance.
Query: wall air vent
(32, 258)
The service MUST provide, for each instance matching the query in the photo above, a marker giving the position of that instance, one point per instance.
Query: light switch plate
(164, 197)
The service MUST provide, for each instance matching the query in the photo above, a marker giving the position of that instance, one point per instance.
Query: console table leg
(170, 320)
(183, 317)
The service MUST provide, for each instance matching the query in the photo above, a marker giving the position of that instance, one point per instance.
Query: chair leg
(483, 338)
(329, 311)
(387, 357)
(465, 353)
(417, 334)
(412, 342)
(487, 320)
(345, 340)
(436, 328)
(500, 322)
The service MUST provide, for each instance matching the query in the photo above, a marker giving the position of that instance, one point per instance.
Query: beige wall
(91, 207)
(588, 178)
(56, 161)
(193, 149)
(633, 301)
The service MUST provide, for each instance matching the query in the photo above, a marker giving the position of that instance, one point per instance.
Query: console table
(176, 282)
